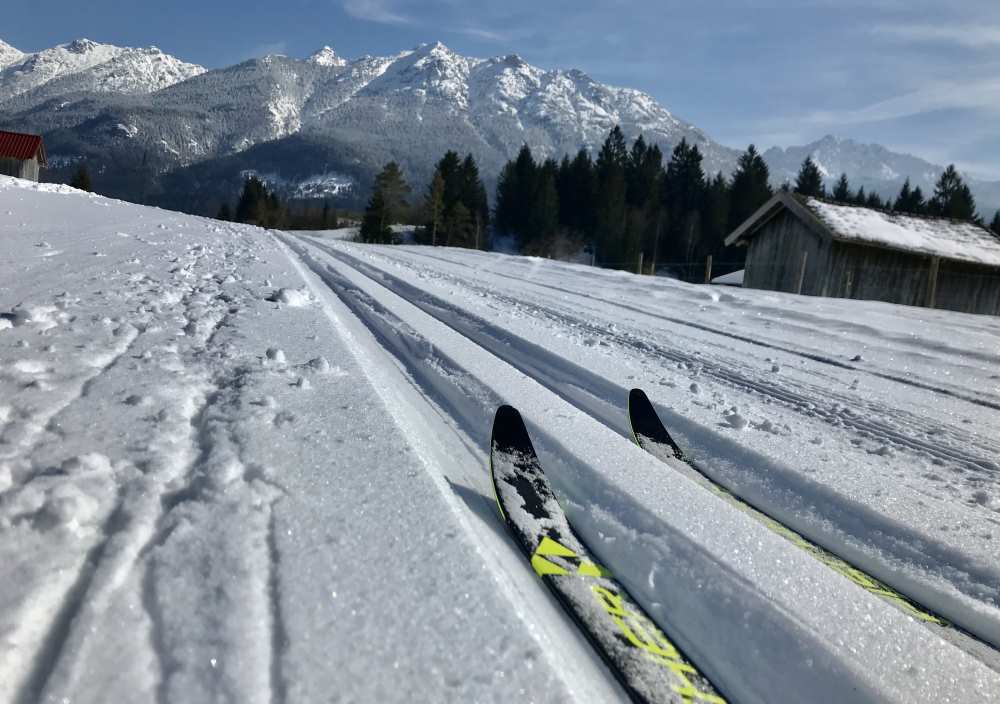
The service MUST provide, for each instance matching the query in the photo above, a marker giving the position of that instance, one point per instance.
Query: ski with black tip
(651, 435)
(647, 664)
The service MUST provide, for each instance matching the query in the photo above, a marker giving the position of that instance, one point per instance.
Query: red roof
(14, 145)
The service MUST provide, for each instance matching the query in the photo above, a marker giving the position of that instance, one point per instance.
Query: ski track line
(133, 538)
(605, 412)
(742, 338)
(805, 405)
(515, 585)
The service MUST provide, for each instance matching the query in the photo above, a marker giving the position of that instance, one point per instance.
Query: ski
(651, 435)
(647, 664)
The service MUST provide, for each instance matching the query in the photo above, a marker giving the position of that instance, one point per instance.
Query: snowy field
(248, 466)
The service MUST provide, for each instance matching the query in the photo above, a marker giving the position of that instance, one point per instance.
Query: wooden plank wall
(774, 259)
(848, 270)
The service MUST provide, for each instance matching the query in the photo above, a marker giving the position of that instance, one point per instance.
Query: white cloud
(970, 36)
(375, 11)
(938, 95)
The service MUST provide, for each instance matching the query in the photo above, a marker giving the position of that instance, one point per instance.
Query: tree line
(258, 205)
(952, 197)
(624, 207)
(454, 211)
(627, 206)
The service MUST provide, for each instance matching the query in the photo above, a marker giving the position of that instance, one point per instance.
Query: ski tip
(509, 431)
(636, 397)
(506, 414)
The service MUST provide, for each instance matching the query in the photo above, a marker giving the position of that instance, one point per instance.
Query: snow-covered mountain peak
(9, 55)
(328, 57)
(84, 65)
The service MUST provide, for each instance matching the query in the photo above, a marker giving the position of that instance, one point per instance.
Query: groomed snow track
(702, 579)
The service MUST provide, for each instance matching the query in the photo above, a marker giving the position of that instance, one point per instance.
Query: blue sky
(918, 76)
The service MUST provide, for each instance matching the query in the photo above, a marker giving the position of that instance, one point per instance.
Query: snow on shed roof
(15, 145)
(938, 237)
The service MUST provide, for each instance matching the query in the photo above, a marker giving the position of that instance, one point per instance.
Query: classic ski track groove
(815, 357)
(379, 279)
(869, 428)
(301, 253)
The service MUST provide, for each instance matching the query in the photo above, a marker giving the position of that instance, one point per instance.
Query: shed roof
(936, 237)
(16, 145)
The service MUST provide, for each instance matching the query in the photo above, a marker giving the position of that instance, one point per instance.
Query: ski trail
(808, 404)
(853, 523)
(378, 307)
(822, 359)
(439, 444)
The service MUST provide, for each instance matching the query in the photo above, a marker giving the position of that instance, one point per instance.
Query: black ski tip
(637, 398)
(509, 431)
(646, 422)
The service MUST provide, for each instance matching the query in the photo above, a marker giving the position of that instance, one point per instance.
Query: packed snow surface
(252, 466)
(951, 239)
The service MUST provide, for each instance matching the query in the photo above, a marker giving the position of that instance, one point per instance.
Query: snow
(87, 65)
(950, 239)
(222, 449)
(734, 278)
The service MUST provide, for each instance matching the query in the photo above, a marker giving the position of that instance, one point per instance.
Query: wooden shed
(21, 155)
(815, 247)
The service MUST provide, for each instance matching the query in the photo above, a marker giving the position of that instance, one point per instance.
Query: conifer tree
(579, 193)
(715, 217)
(952, 197)
(995, 225)
(842, 191)
(910, 200)
(473, 197)
(873, 201)
(610, 206)
(253, 204)
(515, 193)
(225, 213)
(751, 187)
(684, 187)
(809, 181)
(860, 198)
(386, 205)
(434, 205)
(81, 179)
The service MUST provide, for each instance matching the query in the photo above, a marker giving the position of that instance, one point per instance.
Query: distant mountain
(872, 166)
(9, 55)
(156, 129)
(84, 66)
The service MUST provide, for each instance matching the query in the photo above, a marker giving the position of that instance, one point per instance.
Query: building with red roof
(21, 155)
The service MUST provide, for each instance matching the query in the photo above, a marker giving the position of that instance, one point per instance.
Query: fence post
(639, 269)
(802, 272)
(708, 269)
(932, 279)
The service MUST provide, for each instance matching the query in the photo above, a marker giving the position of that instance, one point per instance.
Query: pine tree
(252, 206)
(515, 193)
(952, 197)
(809, 182)
(715, 217)
(751, 187)
(995, 225)
(842, 191)
(434, 206)
(473, 197)
(386, 205)
(684, 187)
(578, 195)
(860, 198)
(918, 206)
(903, 200)
(874, 201)
(81, 179)
(225, 213)
(611, 203)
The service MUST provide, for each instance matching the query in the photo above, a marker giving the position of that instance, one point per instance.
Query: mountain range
(153, 128)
